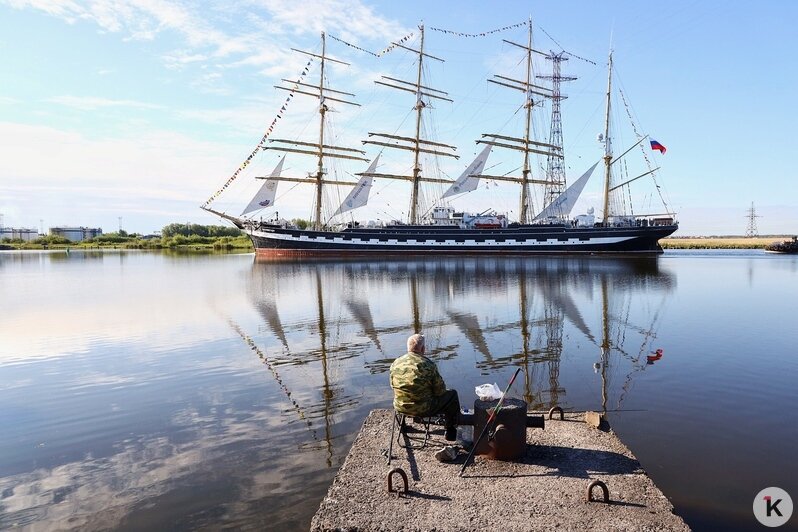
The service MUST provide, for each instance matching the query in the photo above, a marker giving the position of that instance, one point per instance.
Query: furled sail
(562, 204)
(265, 196)
(468, 180)
(359, 195)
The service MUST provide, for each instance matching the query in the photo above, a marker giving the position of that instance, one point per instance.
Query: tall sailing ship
(438, 228)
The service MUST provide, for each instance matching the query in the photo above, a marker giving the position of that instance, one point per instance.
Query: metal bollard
(537, 422)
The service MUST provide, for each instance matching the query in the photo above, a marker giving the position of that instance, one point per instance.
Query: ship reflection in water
(479, 315)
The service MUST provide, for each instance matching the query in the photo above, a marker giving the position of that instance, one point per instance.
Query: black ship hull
(272, 240)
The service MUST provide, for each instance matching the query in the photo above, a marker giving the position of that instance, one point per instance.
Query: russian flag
(657, 146)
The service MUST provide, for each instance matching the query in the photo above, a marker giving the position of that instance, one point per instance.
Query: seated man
(419, 389)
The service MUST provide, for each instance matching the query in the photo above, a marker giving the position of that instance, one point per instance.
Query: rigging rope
(482, 34)
(378, 54)
(645, 155)
(271, 367)
(555, 41)
(263, 139)
(563, 49)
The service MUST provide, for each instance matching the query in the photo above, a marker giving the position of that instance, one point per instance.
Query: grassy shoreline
(241, 243)
(719, 242)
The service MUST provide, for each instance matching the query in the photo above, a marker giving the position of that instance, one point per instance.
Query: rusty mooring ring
(404, 480)
(556, 409)
(604, 491)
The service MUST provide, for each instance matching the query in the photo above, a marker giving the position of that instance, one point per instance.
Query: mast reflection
(479, 314)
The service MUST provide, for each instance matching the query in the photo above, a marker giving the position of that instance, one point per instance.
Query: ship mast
(322, 112)
(327, 391)
(415, 144)
(524, 202)
(419, 107)
(608, 157)
(605, 341)
(523, 144)
(319, 149)
(607, 146)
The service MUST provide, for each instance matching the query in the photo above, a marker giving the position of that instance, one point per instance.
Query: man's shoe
(451, 433)
(447, 454)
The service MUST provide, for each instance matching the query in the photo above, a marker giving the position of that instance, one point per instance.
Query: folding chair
(401, 420)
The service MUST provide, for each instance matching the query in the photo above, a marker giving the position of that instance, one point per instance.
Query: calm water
(143, 390)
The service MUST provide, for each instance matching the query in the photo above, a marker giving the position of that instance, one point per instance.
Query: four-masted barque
(440, 229)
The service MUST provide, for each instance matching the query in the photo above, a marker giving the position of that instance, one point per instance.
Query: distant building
(25, 235)
(76, 234)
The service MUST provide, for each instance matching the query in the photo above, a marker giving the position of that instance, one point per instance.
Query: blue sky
(142, 109)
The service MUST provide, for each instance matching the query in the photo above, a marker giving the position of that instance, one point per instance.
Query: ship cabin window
(662, 221)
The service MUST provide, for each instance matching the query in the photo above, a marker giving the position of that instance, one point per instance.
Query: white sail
(562, 204)
(265, 196)
(467, 180)
(359, 195)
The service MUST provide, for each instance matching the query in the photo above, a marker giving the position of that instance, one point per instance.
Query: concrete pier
(545, 489)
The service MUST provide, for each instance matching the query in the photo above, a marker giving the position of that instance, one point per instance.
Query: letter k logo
(772, 506)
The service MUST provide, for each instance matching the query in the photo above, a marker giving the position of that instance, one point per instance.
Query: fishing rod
(493, 414)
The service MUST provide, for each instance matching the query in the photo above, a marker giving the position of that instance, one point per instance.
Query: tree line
(189, 229)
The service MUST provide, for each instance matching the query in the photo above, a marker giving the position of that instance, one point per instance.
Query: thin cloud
(88, 103)
(211, 83)
(155, 160)
(203, 29)
(58, 8)
(180, 58)
(352, 20)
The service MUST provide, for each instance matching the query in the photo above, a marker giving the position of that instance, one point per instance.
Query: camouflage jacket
(416, 382)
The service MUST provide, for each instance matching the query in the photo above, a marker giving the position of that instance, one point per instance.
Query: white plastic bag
(488, 392)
